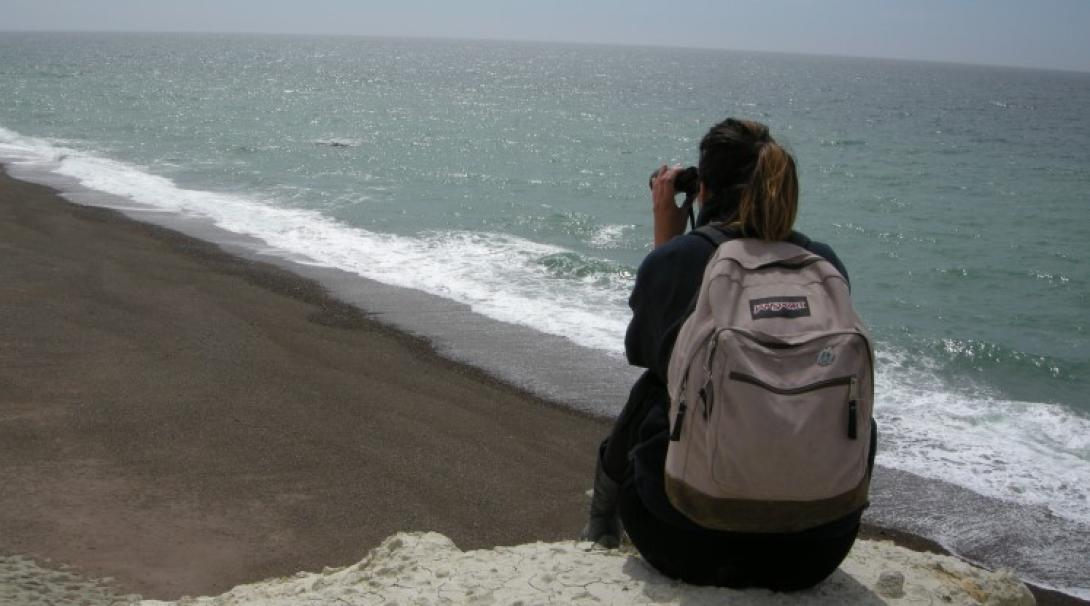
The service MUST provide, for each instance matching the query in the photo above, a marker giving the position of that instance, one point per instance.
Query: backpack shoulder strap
(716, 235)
(799, 239)
(711, 234)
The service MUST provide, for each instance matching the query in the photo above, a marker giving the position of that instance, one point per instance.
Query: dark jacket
(666, 285)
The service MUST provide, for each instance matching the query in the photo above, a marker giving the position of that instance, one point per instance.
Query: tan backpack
(771, 393)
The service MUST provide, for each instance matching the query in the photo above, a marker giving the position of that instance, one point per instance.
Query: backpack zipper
(705, 395)
(853, 409)
(679, 418)
(791, 391)
(853, 394)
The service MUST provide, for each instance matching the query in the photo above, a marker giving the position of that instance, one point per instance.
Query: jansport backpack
(771, 391)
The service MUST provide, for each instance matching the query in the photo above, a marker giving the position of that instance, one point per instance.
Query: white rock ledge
(427, 568)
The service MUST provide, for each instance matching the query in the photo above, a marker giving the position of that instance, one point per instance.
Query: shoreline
(280, 321)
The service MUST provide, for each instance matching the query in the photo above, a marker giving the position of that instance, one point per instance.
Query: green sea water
(513, 177)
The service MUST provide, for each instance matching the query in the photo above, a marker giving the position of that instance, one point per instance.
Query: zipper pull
(675, 435)
(853, 409)
(713, 344)
(706, 391)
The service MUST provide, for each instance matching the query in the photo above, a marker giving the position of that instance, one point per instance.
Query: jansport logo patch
(779, 307)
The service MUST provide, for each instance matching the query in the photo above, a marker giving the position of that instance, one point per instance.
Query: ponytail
(770, 202)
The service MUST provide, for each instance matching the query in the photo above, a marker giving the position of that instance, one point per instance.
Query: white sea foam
(16, 148)
(1018, 451)
(1028, 452)
(497, 275)
(609, 236)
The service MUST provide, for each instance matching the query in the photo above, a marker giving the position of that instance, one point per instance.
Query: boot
(603, 526)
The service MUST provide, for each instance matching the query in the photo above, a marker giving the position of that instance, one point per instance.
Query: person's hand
(667, 217)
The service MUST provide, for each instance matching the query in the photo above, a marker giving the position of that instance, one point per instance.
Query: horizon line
(1067, 70)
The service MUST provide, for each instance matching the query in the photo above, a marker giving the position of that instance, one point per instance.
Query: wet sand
(182, 420)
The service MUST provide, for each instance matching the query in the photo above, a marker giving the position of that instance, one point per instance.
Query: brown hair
(750, 180)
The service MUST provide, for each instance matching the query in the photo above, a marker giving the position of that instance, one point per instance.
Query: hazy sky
(1037, 33)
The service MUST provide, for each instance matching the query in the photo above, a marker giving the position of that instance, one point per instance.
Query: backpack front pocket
(778, 440)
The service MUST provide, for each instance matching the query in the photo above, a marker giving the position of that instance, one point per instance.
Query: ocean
(510, 179)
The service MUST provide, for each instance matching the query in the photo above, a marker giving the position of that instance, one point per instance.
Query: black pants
(781, 562)
(646, 393)
(777, 562)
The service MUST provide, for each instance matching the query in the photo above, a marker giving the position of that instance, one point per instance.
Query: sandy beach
(182, 421)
